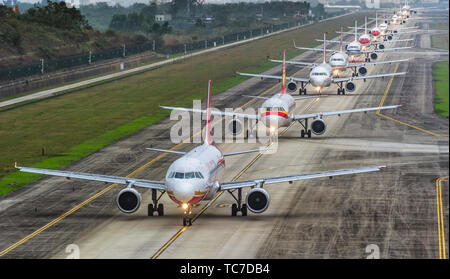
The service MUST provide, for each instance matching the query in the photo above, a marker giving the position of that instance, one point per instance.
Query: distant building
(10, 3)
(163, 18)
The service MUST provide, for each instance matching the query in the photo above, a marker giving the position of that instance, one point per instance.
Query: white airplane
(277, 111)
(368, 39)
(355, 48)
(338, 62)
(321, 76)
(196, 177)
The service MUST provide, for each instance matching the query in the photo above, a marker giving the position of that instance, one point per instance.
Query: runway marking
(378, 112)
(441, 228)
(184, 228)
(77, 207)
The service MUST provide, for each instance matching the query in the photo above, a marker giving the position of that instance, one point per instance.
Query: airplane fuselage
(275, 111)
(194, 176)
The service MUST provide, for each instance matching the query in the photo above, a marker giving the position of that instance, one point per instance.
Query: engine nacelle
(318, 126)
(257, 200)
(292, 86)
(389, 37)
(373, 56)
(381, 46)
(362, 71)
(350, 86)
(128, 200)
(235, 126)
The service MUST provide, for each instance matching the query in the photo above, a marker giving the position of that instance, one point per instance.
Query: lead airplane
(278, 111)
(321, 76)
(196, 177)
(338, 62)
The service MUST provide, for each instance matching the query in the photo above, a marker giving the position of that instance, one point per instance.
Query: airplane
(338, 62)
(277, 111)
(321, 76)
(355, 49)
(368, 39)
(195, 177)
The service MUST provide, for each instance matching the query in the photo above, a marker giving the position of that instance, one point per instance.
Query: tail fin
(283, 84)
(341, 45)
(365, 25)
(208, 139)
(356, 31)
(376, 19)
(324, 48)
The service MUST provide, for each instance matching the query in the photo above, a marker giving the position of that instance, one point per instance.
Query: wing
(296, 177)
(375, 63)
(256, 97)
(392, 41)
(297, 98)
(274, 77)
(386, 49)
(337, 80)
(241, 152)
(332, 41)
(158, 185)
(339, 112)
(316, 49)
(295, 62)
(166, 151)
(215, 112)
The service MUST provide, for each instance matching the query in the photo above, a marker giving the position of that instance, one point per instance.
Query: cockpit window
(275, 109)
(187, 175)
(179, 175)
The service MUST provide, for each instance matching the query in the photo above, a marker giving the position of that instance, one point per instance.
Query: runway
(397, 209)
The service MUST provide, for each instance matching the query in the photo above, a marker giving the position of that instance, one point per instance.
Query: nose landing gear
(187, 215)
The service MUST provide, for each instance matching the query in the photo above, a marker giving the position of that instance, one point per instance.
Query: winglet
(208, 140)
(283, 84)
(15, 165)
(294, 44)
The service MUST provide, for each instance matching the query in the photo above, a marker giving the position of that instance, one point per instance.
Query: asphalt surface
(394, 210)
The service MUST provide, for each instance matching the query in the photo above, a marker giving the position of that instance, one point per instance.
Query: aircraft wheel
(343, 91)
(150, 209)
(244, 210)
(160, 209)
(234, 209)
(302, 133)
(309, 133)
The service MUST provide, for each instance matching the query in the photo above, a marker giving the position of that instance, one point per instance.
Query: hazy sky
(129, 2)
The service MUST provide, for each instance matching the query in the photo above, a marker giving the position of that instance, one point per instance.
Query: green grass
(440, 78)
(439, 40)
(73, 126)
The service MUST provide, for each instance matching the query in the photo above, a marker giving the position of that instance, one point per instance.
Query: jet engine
(362, 71)
(292, 86)
(350, 86)
(318, 126)
(389, 37)
(128, 200)
(235, 126)
(381, 46)
(257, 200)
(373, 56)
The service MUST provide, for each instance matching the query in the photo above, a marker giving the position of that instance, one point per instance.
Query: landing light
(318, 88)
(184, 205)
(272, 130)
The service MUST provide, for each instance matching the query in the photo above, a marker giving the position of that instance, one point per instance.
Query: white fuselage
(275, 111)
(353, 49)
(338, 61)
(320, 76)
(194, 176)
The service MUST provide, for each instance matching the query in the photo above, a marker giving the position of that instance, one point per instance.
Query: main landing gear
(152, 207)
(305, 131)
(302, 89)
(236, 207)
(341, 89)
(251, 131)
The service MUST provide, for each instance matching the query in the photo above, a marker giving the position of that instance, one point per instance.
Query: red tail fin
(283, 84)
(341, 45)
(208, 140)
(324, 48)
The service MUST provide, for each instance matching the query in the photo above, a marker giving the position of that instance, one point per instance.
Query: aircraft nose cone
(271, 121)
(183, 192)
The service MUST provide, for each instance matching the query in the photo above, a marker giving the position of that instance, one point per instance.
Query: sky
(130, 2)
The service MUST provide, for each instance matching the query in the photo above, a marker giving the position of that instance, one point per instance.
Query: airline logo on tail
(283, 84)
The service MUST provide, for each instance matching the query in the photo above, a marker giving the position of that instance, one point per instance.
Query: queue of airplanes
(196, 175)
